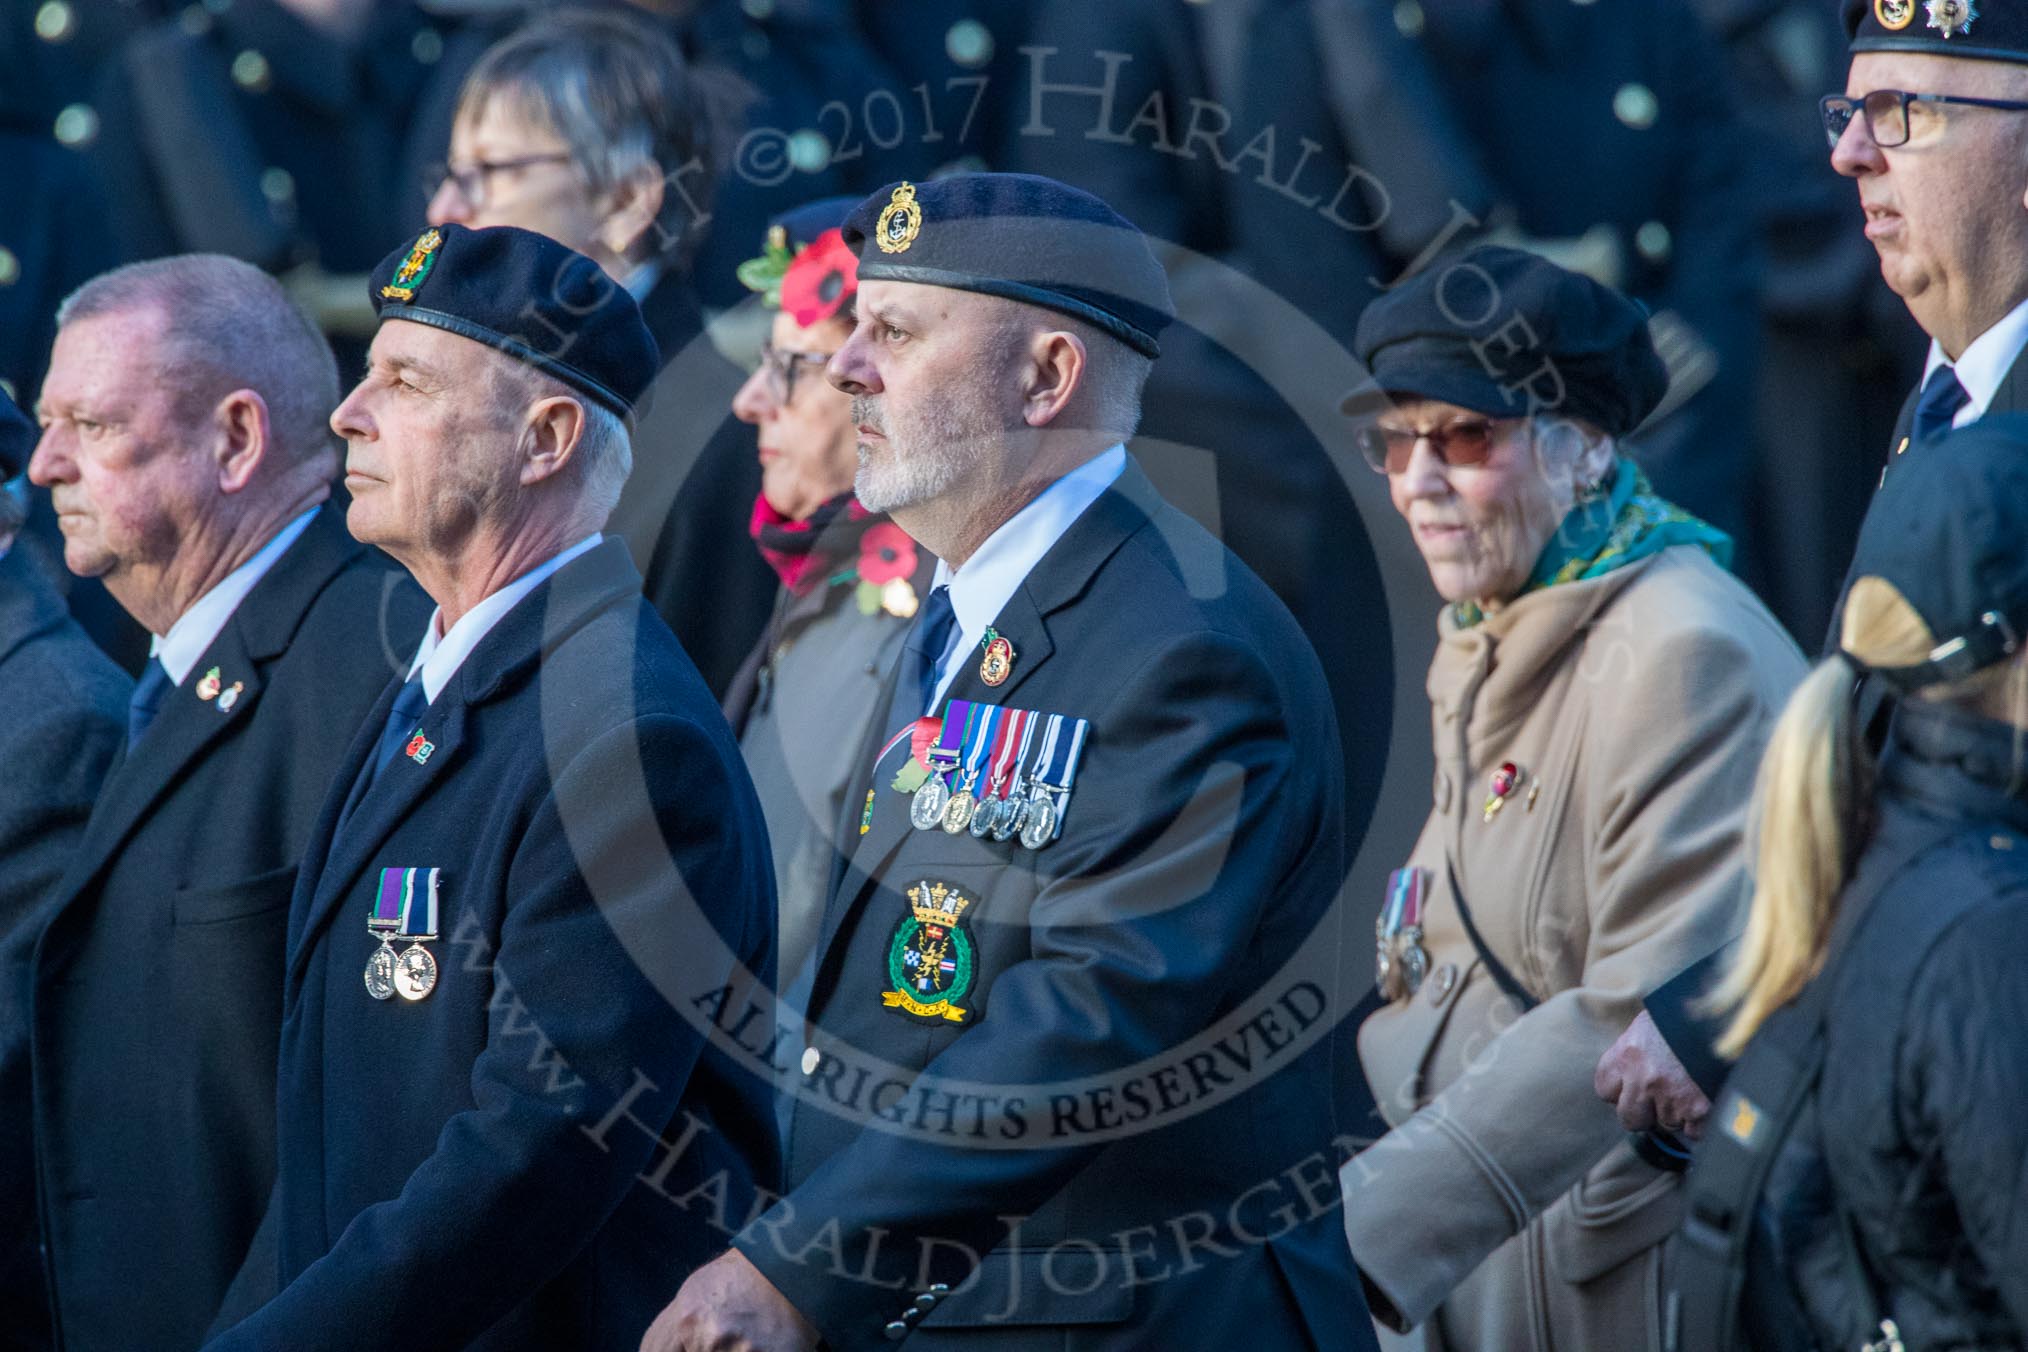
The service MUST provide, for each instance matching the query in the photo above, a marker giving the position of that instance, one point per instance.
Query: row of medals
(412, 975)
(1030, 814)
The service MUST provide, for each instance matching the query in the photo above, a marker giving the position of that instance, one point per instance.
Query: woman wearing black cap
(1880, 995)
(1602, 691)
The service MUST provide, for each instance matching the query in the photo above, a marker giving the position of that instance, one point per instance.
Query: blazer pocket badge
(932, 960)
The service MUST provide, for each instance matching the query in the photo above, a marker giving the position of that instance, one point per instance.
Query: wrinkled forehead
(115, 352)
(402, 342)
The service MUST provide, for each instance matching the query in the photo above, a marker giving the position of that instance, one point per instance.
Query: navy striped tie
(1942, 397)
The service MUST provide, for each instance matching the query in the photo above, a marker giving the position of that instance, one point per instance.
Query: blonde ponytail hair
(1809, 812)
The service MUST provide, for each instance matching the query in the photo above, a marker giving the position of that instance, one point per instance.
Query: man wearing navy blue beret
(1932, 127)
(494, 1094)
(1098, 833)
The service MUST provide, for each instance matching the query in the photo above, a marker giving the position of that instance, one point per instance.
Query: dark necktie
(409, 707)
(410, 704)
(146, 699)
(916, 680)
(1942, 397)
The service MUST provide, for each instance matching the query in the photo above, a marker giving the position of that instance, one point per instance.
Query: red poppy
(885, 553)
(923, 736)
(820, 279)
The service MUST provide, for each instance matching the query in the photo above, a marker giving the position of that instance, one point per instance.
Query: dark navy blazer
(67, 722)
(535, 1154)
(156, 973)
(1202, 850)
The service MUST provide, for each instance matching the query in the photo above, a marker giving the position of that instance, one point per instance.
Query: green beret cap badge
(421, 258)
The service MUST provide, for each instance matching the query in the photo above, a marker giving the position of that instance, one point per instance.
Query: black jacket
(68, 722)
(155, 981)
(1916, 1129)
(537, 1153)
(1187, 906)
(1674, 1006)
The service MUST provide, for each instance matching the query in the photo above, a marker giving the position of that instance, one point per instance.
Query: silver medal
(1013, 812)
(380, 973)
(985, 816)
(1041, 825)
(927, 811)
(415, 973)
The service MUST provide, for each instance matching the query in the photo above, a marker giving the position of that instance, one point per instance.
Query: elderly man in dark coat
(186, 454)
(1092, 840)
(504, 1121)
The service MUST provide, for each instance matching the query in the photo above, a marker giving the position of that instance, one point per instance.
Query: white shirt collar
(440, 655)
(1984, 362)
(197, 628)
(981, 589)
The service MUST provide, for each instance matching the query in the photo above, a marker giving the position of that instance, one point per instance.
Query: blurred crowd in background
(1294, 158)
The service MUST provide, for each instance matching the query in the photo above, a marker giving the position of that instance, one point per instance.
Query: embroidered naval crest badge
(931, 961)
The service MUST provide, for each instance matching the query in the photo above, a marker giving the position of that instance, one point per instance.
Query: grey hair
(616, 88)
(226, 325)
(605, 449)
(1118, 376)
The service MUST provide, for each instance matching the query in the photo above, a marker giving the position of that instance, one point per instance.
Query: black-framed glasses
(1888, 113)
(781, 366)
(473, 179)
(1462, 441)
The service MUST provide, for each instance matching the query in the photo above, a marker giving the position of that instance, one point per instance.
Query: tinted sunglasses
(1465, 441)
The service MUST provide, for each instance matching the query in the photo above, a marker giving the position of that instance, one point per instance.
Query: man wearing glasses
(1931, 129)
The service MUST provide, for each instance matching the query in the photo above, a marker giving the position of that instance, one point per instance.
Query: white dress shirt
(1984, 363)
(441, 654)
(989, 579)
(198, 627)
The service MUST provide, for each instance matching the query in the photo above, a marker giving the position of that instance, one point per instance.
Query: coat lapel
(403, 783)
(185, 728)
(511, 651)
(1058, 578)
(193, 718)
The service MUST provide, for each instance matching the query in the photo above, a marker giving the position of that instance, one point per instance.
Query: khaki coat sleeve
(1676, 724)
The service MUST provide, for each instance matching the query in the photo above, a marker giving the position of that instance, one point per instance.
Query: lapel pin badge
(419, 749)
(208, 686)
(230, 697)
(1505, 780)
(998, 663)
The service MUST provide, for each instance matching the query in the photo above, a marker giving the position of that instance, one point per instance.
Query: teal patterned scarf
(1610, 532)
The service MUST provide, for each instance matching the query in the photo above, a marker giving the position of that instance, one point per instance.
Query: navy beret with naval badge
(1946, 531)
(528, 296)
(1022, 237)
(1507, 333)
(18, 435)
(1995, 30)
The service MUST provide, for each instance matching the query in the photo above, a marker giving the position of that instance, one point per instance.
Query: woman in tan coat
(1601, 693)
